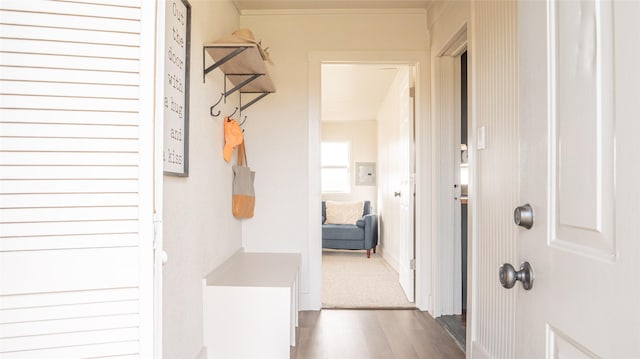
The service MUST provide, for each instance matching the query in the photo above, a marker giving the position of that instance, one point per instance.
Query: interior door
(76, 179)
(579, 170)
(406, 188)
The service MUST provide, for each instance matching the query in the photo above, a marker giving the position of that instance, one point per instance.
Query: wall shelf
(243, 66)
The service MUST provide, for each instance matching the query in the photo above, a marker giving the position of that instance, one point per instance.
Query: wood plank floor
(364, 334)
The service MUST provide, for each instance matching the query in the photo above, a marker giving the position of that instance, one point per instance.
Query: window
(334, 174)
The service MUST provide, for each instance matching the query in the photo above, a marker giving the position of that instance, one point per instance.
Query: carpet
(351, 280)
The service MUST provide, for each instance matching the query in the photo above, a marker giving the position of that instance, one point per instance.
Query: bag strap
(242, 155)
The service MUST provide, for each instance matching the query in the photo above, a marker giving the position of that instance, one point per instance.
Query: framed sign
(176, 87)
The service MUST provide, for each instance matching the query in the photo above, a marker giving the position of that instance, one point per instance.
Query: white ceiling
(354, 92)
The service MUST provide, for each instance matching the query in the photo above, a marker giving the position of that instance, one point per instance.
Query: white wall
(278, 126)
(363, 136)
(199, 230)
(494, 190)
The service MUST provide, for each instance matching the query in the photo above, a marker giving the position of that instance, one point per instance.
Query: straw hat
(246, 35)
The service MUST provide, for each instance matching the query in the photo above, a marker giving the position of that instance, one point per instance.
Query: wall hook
(243, 121)
(233, 113)
(216, 104)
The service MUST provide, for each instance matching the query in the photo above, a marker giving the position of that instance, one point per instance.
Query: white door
(76, 179)
(405, 185)
(396, 186)
(579, 169)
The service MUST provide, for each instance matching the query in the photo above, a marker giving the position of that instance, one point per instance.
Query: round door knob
(396, 194)
(523, 216)
(509, 276)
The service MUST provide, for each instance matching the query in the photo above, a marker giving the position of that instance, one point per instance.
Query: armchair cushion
(343, 212)
(342, 232)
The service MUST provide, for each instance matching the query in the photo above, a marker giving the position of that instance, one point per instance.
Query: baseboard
(202, 354)
(478, 352)
(307, 302)
(392, 261)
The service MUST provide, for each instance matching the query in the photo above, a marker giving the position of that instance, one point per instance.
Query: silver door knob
(396, 194)
(509, 276)
(523, 216)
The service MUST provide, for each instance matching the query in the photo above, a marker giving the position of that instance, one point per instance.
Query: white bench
(250, 306)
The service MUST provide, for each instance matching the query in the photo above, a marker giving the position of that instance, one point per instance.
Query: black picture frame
(176, 161)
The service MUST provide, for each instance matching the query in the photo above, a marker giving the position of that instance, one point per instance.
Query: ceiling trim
(254, 12)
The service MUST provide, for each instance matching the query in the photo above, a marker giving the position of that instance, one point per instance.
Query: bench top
(256, 270)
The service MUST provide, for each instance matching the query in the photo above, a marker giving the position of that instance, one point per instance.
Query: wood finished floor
(365, 334)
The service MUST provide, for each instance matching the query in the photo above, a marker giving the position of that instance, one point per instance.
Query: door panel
(396, 189)
(76, 179)
(582, 126)
(578, 133)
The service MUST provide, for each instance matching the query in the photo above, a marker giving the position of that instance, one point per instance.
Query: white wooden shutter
(76, 224)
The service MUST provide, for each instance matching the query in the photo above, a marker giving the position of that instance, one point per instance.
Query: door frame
(446, 138)
(156, 11)
(420, 60)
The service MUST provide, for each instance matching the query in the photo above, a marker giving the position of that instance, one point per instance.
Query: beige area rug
(351, 280)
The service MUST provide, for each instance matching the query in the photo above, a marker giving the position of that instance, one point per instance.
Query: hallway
(365, 334)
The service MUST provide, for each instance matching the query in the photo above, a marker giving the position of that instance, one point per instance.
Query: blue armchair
(362, 235)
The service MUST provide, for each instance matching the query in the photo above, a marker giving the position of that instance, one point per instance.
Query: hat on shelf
(246, 35)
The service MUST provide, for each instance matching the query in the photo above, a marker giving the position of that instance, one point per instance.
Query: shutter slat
(68, 103)
(62, 144)
(119, 350)
(76, 8)
(68, 242)
(69, 339)
(68, 186)
(69, 62)
(70, 22)
(82, 310)
(68, 325)
(67, 158)
(68, 76)
(23, 329)
(63, 116)
(66, 228)
(58, 34)
(69, 89)
(67, 131)
(120, 3)
(68, 298)
(70, 48)
(68, 172)
(68, 200)
(67, 214)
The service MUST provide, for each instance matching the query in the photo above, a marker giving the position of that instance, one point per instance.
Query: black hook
(233, 113)
(216, 104)
(243, 121)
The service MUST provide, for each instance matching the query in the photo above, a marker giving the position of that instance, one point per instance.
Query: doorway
(456, 322)
(453, 145)
(367, 112)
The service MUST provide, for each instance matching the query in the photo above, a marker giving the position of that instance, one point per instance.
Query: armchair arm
(370, 230)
